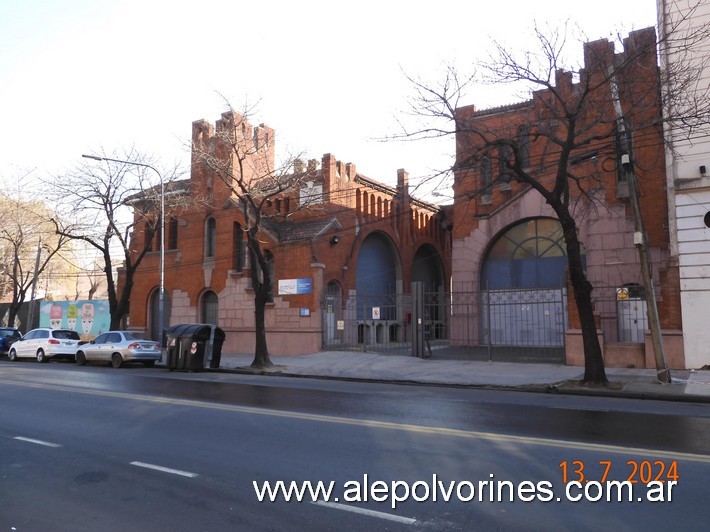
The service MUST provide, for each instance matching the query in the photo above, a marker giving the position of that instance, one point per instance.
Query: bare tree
(245, 165)
(28, 245)
(100, 196)
(602, 111)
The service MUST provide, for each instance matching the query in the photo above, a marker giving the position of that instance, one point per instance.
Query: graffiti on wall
(88, 317)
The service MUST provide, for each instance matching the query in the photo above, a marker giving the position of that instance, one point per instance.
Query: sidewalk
(687, 385)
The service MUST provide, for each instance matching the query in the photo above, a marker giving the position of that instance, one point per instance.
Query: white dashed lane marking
(365, 511)
(165, 469)
(37, 442)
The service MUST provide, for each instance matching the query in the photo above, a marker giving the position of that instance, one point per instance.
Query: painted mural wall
(87, 317)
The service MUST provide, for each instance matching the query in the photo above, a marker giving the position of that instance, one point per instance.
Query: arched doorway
(429, 270)
(376, 277)
(378, 280)
(210, 308)
(154, 321)
(523, 286)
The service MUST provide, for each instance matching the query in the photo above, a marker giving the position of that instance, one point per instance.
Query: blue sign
(304, 286)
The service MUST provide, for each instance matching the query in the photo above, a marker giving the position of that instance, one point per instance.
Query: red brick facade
(319, 243)
(483, 211)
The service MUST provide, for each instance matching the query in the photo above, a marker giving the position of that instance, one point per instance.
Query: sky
(92, 76)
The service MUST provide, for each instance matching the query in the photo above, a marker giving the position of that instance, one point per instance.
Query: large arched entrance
(429, 270)
(523, 286)
(378, 278)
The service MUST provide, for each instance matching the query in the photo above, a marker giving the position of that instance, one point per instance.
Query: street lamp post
(161, 299)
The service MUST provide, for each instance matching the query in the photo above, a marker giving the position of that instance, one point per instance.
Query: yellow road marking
(387, 425)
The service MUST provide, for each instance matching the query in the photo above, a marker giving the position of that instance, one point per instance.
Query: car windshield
(66, 335)
(9, 332)
(134, 336)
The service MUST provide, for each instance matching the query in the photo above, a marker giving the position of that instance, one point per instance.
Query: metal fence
(622, 313)
(501, 325)
(504, 325)
(378, 323)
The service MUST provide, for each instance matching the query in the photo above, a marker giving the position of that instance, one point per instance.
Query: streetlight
(161, 301)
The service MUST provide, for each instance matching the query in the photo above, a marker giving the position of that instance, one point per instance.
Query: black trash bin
(217, 342)
(190, 345)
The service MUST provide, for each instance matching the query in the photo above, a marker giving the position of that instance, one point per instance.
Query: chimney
(298, 166)
(402, 182)
(328, 164)
(350, 171)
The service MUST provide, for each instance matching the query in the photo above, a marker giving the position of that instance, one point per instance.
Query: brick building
(508, 248)
(355, 236)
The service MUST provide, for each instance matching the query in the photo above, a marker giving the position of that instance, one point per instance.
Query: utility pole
(31, 315)
(640, 238)
(640, 241)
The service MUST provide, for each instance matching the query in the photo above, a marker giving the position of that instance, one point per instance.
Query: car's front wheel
(12, 355)
(41, 357)
(80, 358)
(116, 360)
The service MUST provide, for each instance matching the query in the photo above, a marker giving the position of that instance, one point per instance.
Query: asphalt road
(94, 448)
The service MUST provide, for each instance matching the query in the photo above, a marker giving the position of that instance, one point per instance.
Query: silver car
(44, 344)
(117, 347)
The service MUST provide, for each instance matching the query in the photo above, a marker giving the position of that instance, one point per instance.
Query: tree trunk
(12, 315)
(593, 361)
(261, 352)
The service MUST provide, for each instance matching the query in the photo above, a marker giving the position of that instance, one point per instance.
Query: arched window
(210, 308)
(530, 254)
(210, 237)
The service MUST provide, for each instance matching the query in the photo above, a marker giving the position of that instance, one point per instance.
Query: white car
(46, 343)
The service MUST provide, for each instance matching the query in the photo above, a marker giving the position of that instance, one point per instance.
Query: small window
(238, 248)
(172, 233)
(524, 146)
(486, 174)
(149, 232)
(505, 157)
(101, 339)
(210, 237)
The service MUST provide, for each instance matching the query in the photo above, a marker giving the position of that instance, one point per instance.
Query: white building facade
(688, 168)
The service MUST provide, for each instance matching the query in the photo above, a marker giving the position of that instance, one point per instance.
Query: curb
(557, 388)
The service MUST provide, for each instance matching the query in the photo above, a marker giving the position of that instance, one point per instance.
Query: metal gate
(520, 325)
(380, 323)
